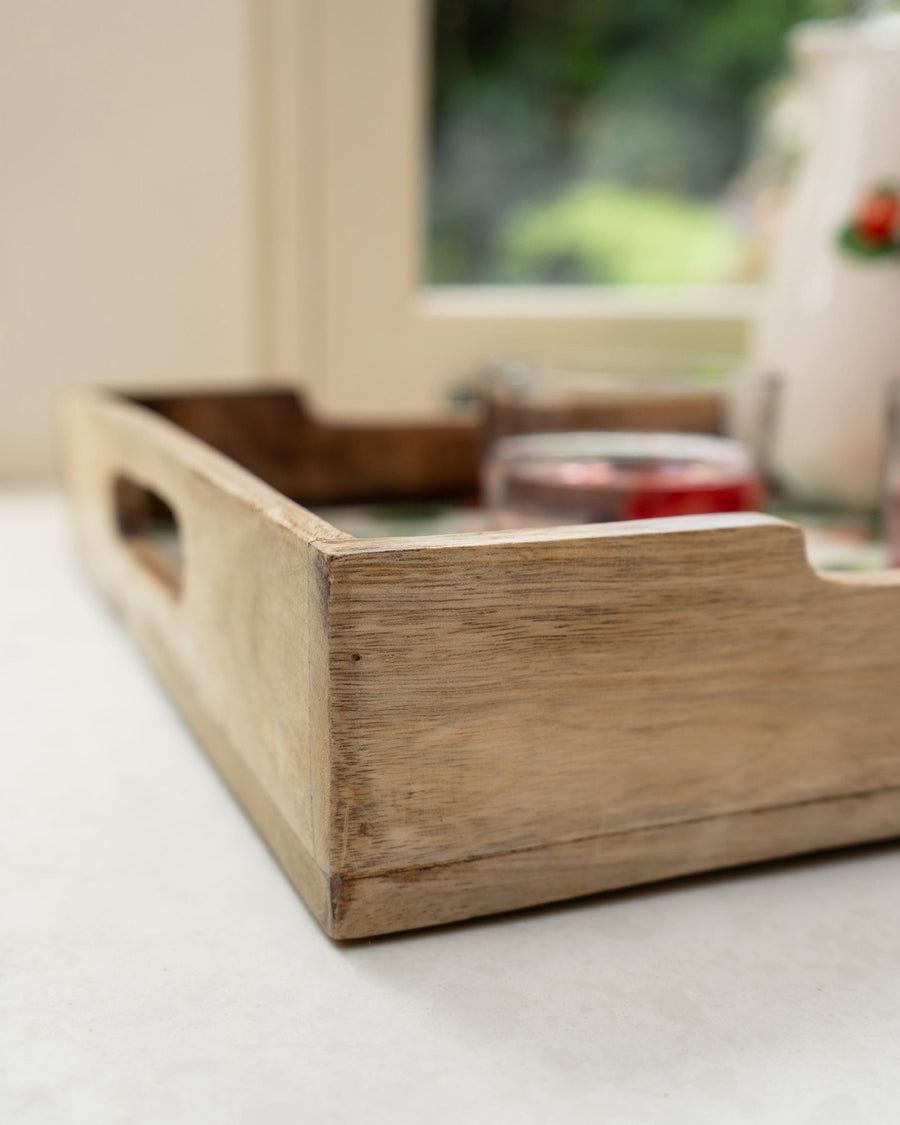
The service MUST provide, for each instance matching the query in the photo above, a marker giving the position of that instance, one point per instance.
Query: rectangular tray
(429, 729)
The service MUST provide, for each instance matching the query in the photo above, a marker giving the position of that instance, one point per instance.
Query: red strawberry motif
(878, 216)
(874, 231)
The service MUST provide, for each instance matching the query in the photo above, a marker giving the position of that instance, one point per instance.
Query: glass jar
(583, 447)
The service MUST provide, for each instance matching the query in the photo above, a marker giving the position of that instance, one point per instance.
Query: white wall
(129, 248)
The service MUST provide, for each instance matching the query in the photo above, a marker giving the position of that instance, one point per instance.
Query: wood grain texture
(234, 646)
(452, 892)
(580, 683)
(273, 435)
(435, 728)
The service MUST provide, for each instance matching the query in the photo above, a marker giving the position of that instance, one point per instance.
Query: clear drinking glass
(585, 447)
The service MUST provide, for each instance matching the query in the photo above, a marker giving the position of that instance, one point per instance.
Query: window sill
(578, 302)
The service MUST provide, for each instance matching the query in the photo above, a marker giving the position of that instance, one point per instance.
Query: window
(373, 308)
(596, 142)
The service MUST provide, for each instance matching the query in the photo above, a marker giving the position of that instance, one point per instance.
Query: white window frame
(343, 104)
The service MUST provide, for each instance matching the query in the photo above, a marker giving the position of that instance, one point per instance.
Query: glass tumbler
(587, 447)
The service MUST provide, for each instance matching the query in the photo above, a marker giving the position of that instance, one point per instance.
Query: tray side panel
(273, 435)
(233, 647)
(430, 896)
(491, 698)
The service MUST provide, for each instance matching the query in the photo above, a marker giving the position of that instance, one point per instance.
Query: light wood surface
(234, 646)
(435, 728)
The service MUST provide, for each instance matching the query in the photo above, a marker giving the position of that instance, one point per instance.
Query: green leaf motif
(850, 240)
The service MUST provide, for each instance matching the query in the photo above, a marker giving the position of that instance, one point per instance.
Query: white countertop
(156, 966)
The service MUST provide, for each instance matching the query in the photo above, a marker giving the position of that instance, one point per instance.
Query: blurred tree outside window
(610, 141)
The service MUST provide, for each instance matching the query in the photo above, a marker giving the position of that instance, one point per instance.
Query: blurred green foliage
(591, 140)
(600, 232)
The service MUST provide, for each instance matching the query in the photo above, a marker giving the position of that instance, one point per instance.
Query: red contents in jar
(562, 478)
(747, 495)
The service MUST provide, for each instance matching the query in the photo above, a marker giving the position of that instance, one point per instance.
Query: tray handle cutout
(150, 530)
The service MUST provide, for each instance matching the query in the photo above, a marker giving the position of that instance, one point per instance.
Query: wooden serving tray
(428, 729)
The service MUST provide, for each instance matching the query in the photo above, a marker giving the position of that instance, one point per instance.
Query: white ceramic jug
(831, 320)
